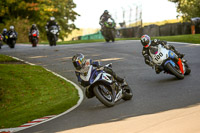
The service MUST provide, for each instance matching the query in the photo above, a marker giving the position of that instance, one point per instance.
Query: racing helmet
(12, 27)
(105, 12)
(52, 18)
(4, 30)
(146, 41)
(78, 61)
(34, 26)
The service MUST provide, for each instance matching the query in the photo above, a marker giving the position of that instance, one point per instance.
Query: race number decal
(158, 56)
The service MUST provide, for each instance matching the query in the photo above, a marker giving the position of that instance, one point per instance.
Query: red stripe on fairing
(180, 65)
(146, 46)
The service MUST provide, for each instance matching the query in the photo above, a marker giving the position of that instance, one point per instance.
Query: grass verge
(178, 38)
(181, 38)
(30, 92)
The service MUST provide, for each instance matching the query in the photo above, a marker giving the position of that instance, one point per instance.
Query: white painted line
(179, 43)
(80, 92)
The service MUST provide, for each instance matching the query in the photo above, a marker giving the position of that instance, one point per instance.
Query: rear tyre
(173, 70)
(105, 98)
(113, 40)
(188, 71)
(113, 36)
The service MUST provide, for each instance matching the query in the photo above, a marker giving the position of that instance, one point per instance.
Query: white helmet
(52, 18)
(11, 27)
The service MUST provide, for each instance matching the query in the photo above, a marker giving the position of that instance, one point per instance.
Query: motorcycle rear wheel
(106, 99)
(188, 71)
(174, 71)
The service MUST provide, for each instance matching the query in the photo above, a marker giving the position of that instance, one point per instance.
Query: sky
(152, 11)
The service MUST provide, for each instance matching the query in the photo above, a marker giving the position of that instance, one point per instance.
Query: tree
(39, 12)
(188, 8)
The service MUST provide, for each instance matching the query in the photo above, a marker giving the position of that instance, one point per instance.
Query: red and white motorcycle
(169, 61)
(34, 38)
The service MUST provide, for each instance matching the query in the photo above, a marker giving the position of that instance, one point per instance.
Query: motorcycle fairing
(180, 64)
(171, 62)
(158, 54)
(34, 33)
(87, 77)
(172, 55)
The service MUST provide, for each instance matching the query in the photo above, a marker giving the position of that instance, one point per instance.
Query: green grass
(30, 92)
(4, 58)
(178, 38)
(181, 38)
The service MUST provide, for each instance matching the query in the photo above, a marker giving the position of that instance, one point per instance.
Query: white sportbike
(169, 61)
(106, 89)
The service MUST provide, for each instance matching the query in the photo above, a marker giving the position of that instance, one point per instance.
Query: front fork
(117, 91)
(178, 60)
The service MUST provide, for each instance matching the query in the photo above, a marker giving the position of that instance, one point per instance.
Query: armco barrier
(155, 30)
(152, 30)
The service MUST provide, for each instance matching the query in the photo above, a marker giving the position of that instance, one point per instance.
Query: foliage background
(23, 13)
(188, 8)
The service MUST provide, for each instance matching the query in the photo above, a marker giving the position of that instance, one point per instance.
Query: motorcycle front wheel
(174, 71)
(12, 44)
(34, 43)
(104, 95)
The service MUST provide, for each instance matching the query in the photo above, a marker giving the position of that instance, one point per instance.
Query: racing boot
(171, 47)
(181, 55)
(124, 83)
(88, 94)
(158, 69)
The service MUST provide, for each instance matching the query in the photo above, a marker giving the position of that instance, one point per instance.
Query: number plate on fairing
(160, 55)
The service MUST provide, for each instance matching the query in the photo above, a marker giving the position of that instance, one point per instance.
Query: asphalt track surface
(152, 93)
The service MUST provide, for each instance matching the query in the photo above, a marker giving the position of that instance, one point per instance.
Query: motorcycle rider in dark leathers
(33, 27)
(103, 18)
(82, 66)
(50, 23)
(4, 33)
(147, 43)
(12, 29)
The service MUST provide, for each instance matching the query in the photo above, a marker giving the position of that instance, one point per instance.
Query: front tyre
(174, 71)
(34, 43)
(107, 40)
(104, 95)
(12, 44)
